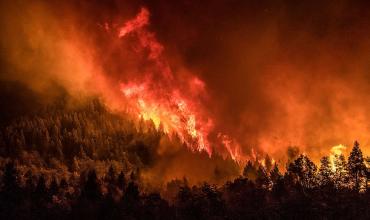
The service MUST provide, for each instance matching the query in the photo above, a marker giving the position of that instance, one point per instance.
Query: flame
(232, 147)
(170, 110)
(162, 100)
(336, 151)
(158, 97)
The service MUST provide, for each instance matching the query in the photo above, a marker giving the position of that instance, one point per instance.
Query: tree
(63, 184)
(325, 172)
(275, 174)
(131, 201)
(356, 165)
(367, 172)
(10, 178)
(111, 176)
(29, 181)
(263, 180)
(304, 169)
(40, 190)
(250, 171)
(132, 192)
(341, 171)
(121, 181)
(91, 189)
(10, 193)
(53, 188)
(268, 163)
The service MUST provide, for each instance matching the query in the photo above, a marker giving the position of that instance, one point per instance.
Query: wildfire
(233, 148)
(171, 111)
(336, 151)
(159, 97)
(161, 100)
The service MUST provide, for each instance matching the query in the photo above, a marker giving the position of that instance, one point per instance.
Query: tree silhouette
(356, 165)
(41, 190)
(10, 183)
(91, 190)
(341, 172)
(263, 180)
(121, 181)
(10, 192)
(53, 188)
(304, 169)
(250, 171)
(275, 174)
(325, 175)
(65, 144)
(131, 201)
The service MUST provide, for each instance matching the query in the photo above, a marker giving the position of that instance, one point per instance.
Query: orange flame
(161, 99)
(164, 103)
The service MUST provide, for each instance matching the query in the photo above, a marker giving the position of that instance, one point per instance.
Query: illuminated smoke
(269, 77)
(336, 151)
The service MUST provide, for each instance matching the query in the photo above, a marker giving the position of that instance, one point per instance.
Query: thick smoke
(281, 73)
(277, 74)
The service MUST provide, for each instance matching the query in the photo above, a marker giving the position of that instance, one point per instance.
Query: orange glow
(240, 89)
(162, 102)
(174, 112)
(336, 151)
(173, 107)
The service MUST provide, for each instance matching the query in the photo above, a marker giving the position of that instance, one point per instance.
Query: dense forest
(85, 163)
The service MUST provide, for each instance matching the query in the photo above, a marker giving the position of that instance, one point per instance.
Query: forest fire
(159, 97)
(125, 109)
(169, 112)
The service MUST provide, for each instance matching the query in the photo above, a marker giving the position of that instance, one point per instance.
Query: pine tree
(275, 174)
(356, 165)
(341, 171)
(325, 172)
(10, 182)
(305, 170)
(53, 188)
(250, 171)
(367, 172)
(63, 184)
(262, 179)
(111, 175)
(29, 181)
(41, 187)
(91, 189)
(111, 182)
(10, 196)
(121, 181)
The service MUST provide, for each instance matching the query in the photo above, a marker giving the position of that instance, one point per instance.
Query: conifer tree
(305, 170)
(356, 165)
(121, 181)
(91, 189)
(250, 171)
(263, 180)
(325, 172)
(275, 174)
(341, 172)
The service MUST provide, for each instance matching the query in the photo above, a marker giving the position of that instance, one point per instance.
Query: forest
(85, 163)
